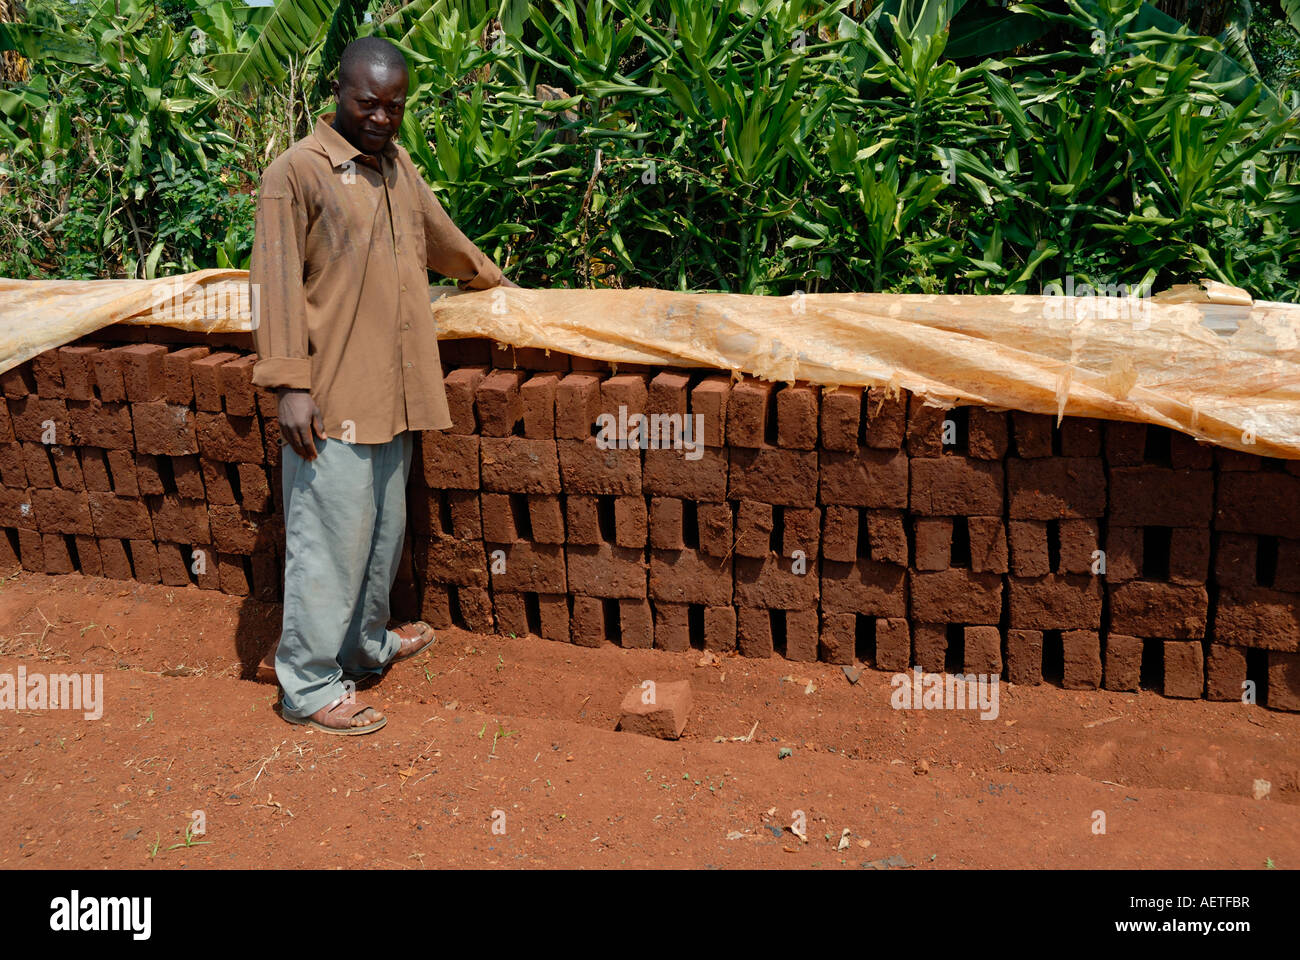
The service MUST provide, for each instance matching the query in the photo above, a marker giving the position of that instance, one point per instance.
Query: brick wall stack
(813, 524)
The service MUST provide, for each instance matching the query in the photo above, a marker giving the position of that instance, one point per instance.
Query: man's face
(371, 99)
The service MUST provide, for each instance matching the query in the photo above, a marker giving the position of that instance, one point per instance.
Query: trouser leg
(329, 520)
(369, 645)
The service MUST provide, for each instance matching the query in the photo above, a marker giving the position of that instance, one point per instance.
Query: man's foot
(346, 719)
(416, 638)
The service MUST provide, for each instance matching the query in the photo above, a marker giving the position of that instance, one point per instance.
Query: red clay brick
(924, 428)
(55, 555)
(1184, 669)
(1063, 601)
(40, 420)
(666, 524)
(956, 486)
(114, 559)
(61, 511)
(1054, 487)
(77, 370)
(537, 396)
(178, 380)
(88, 559)
(671, 627)
(1025, 656)
(893, 643)
(1225, 672)
(577, 405)
(864, 586)
(147, 475)
(933, 543)
(142, 371)
(1033, 433)
(635, 624)
(546, 517)
(982, 648)
(1029, 556)
(771, 583)
(1142, 608)
(1123, 663)
(107, 364)
(454, 561)
(67, 467)
(930, 646)
(753, 529)
(499, 405)
(234, 580)
(1080, 437)
(630, 522)
(747, 412)
(986, 433)
(605, 570)
(988, 544)
(105, 425)
(754, 632)
(31, 549)
(586, 468)
(254, 490)
(841, 418)
(710, 399)
(689, 576)
(670, 474)
(1157, 496)
(801, 635)
(554, 610)
(796, 416)
(236, 379)
(13, 468)
(887, 536)
(840, 534)
(1284, 681)
(714, 527)
(205, 374)
(1082, 649)
(519, 465)
(956, 596)
(172, 568)
(230, 438)
(588, 622)
(582, 520)
(451, 460)
(720, 629)
(36, 461)
(624, 392)
(866, 478)
(668, 393)
(1263, 503)
(837, 642)
(1253, 617)
(1078, 541)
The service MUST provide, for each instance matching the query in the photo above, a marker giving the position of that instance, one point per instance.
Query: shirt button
(403, 288)
(408, 363)
(406, 326)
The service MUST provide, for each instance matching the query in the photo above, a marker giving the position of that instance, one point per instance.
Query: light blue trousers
(344, 523)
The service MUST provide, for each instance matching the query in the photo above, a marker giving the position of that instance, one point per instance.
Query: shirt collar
(337, 148)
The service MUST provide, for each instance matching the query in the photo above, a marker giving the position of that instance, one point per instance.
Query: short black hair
(371, 51)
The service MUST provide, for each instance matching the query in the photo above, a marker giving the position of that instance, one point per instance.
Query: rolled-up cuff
(490, 276)
(293, 372)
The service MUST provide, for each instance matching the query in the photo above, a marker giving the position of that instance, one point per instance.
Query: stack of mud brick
(142, 461)
(842, 525)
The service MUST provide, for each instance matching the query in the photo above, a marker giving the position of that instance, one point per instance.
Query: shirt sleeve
(450, 252)
(276, 278)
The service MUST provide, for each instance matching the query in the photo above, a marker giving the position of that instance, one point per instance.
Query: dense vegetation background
(756, 146)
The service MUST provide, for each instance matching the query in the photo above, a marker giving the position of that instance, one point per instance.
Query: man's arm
(449, 252)
(280, 317)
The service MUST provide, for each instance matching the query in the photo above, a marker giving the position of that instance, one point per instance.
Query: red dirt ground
(182, 731)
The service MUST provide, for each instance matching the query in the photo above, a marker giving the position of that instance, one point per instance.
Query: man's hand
(299, 417)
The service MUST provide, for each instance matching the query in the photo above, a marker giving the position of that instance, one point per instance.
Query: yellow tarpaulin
(1155, 360)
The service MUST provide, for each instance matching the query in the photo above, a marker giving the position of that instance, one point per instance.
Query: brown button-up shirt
(340, 289)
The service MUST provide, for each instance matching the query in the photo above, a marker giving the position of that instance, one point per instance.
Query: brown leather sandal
(341, 711)
(422, 639)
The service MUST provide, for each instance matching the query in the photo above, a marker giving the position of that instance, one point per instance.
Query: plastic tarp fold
(1202, 359)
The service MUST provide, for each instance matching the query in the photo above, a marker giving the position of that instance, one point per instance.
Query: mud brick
(1082, 649)
(147, 475)
(986, 433)
(105, 425)
(537, 568)
(753, 529)
(956, 486)
(48, 374)
(747, 412)
(720, 629)
(933, 544)
(254, 490)
(455, 561)
(1125, 443)
(1055, 487)
(635, 624)
(142, 371)
(668, 393)
(987, 537)
(1225, 672)
(1124, 550)
(1233, 460)
(31, 549)
(1189, 555)
(666, 524)
(840, 534)
(1142, 608)
(234, 579)
(893, 643)
(1287, 576)
(1187, 453)
(451, 460)
(1029, 556)
(754, 632)
(710, 399)
(498, 518)
(189, 478)
(144, 561)
(94, 468)
(537, 397)
(802, 532)
(887, 536)
(237, 390)
(554, 611)
(230, 438)
(1080, 437)
(16, 508)
(1025, 656)
(233, 529)
(623, 395)
(773, 475)
(924, 428)
(88, 559)
(6, 423)
(1284, 681)
(216, 481)
(13, 468)
(668, 473)
(771, 583)
(126, 478)
(107, 365)
(577, 405)
(164, 429)
(498, 402)
(511, 614)
(435, 606)
(268, 401)
(466, 518)
(205, 375)
(177, 378)
(714, 527)
(1079, 540)
(956, 596)
(172, 569)
(1123, 663)
(61, 511)
(33, 417)
(672, 630)
(546, 517)
(1055, 602)
(930, 646)
(114, 559)
(36, 461)
(630, 522)
(123, 518)
(519, 465)
(1263, 503)
(983, 651)
(605, 570)
(801, 635)
(864, 586)
(587, 625)
(1184, 669)
(582, 519)
(272, 442)
(689, 576)
(55, 554)
(461, 385)
(207, 572)
(77, 371)
(1257, 617)
(796, 417)
(841, 418)
(1158, 496)
(67, 467)
(1033, 433)
(867, 478)
(475, 609)
(838, 640)
(586, 468)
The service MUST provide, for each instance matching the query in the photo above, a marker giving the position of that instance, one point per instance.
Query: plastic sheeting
(1202, 359)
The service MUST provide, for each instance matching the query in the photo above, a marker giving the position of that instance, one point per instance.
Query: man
(345, 230)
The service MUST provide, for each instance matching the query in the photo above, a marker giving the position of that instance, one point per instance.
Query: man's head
(371, 93)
